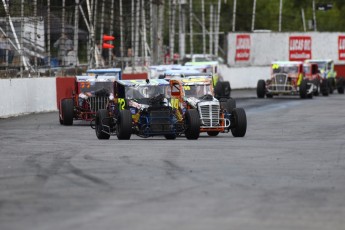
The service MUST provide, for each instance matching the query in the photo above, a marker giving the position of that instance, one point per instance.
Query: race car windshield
(197, 90)
(145, 92)
(92, 87)
(286, 69)
(306, 69)
(321, 65)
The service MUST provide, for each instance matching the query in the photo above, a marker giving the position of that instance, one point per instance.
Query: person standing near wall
(64, 45)
(5, 50)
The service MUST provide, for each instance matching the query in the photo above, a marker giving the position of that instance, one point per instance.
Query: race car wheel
(303, 89)
(331, 85)
(102, 123)
(261, 89)
(317, 91)
(213, 133)
(222, 89)
(192, 124)
(238, 122)
(170, 136)
(228, 105)
(67, 111)
(340, 85)
(324, 88)
(124, 125)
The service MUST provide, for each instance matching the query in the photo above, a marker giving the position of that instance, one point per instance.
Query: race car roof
(181, 71)
(286, 63)
(97, 78)
(318, 60)
(164, 67)
(204, 63)
(194, 80)
(143, 82)
(103, 71)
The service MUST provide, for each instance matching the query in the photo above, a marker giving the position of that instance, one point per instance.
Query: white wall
(244, 77)
(268, 47)
(27, 95)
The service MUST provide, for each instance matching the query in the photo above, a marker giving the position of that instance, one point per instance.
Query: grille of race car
(280, 81)
(209, 113)
(160, 120)
(97, 103)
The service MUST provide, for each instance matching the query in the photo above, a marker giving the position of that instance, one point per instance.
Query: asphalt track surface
(288, 172)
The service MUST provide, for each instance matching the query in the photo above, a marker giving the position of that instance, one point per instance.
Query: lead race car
(142, 107)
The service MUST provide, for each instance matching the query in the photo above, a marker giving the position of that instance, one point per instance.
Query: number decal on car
(174, 103)
(85, 85)
(122, 103)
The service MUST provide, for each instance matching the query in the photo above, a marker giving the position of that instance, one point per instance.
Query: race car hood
(193, 101)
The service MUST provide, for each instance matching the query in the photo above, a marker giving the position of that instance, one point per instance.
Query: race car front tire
(124, 125)
(67, 112)
(192, 124)
(102, 124)
(213, 133)
(228, 105)
(331, 85)
(340, 85)
(324, 88)
(238, 122)
(170, 136)
(303, 89)
(261, 89)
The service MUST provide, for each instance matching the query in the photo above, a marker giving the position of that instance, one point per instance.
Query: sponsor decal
(242, 47)
(341, 47)
(299, 48)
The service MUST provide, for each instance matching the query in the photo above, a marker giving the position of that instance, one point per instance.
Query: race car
(79, 97)
(287, 78)
(142, 107)
(222, 89)
(312, 73)
(326, 68)
(196, 93)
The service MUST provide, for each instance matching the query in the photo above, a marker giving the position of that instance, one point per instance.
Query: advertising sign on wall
(341, 47)
(242, 47)
(299, 48)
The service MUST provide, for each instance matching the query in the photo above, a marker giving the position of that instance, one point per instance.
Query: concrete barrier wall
(27, 95)
(244, 77)
(260, 49)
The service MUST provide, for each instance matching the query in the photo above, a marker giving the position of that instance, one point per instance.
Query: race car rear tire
(102, 123)
(324, 88)
(67, 112)
(238, 122)
(170, 136)
(213, 133)
(303, 89)
(261, 89)
(228, 105)
(124, 125)
(340, 85)
(192, 124)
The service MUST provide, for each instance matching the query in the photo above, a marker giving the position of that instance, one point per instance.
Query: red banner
(299, 48)
(242, 47)
(341, 47)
